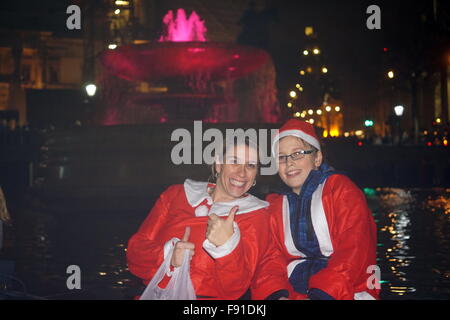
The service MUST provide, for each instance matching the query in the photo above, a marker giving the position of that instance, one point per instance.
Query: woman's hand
(180, 247)
(220, 230)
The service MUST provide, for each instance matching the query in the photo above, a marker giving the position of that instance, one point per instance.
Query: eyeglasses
(295, 156)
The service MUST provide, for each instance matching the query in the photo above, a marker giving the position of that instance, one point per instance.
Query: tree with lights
(314, 97)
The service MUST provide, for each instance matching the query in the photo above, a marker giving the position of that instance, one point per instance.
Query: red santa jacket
(346, 232)
(225, 272)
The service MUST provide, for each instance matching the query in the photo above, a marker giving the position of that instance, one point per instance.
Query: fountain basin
(165, 60)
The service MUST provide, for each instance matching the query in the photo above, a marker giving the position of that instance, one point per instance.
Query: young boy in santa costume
(321, 222)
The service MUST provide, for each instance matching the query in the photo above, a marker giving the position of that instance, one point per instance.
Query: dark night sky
(353, 52)
(32, 14)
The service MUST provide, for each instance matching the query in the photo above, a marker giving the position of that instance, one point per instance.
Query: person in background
(225, 228)
(4, 216)
(321, 222)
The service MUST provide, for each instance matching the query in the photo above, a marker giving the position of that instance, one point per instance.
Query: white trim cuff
(226, 248)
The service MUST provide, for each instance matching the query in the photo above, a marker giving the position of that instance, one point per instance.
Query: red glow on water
(429, 144)
(360, 144)
(163, 120)
(196, 50)
(179, 28)
(164, 60)
(182, 51)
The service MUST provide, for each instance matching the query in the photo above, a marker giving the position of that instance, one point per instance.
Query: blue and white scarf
(302, 230)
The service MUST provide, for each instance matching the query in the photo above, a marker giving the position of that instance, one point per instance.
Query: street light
(399, 110)
(91, 89)
(390, 74)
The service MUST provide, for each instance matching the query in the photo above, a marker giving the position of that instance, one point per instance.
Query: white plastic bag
(179, 287)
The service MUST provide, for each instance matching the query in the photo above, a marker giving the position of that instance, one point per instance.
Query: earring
(254, 183)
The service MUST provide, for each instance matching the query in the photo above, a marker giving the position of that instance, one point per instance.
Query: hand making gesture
(219, 230)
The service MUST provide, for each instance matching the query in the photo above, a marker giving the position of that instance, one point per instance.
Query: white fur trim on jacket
(320, 223)
(196, 193)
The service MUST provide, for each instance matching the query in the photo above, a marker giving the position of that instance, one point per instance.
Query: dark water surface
(413, 246)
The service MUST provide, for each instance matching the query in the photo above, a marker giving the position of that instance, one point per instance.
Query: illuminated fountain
(183, 77)
(145, 92)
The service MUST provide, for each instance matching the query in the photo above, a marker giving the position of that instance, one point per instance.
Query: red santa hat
(300, 129)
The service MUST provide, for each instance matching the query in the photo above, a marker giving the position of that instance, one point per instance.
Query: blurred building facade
(36, 60)
(416, 65)
(35, 57)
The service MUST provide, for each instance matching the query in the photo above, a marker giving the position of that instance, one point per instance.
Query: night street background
(80, 172)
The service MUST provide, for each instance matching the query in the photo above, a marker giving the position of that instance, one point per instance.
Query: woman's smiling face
(237, 174)
(294, 172)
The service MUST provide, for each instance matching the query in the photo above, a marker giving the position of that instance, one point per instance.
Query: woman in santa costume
(225, 228)
(321, 222)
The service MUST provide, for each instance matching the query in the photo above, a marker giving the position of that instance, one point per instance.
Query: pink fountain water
(182, 29)
(183, 77)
